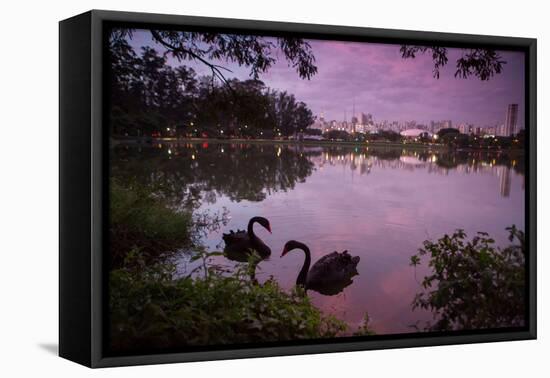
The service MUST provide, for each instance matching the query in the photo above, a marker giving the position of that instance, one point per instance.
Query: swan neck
(250, 229)
(302, 276)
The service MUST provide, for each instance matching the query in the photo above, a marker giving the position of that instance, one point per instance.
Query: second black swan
(239, 244)
(329, 275)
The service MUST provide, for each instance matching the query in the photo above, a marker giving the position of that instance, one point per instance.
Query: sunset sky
(380, 82)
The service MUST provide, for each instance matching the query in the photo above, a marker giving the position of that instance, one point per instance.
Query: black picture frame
(83, 187)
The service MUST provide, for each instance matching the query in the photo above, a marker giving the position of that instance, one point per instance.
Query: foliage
(141, 222)
(379, 136)
(336, 135)
(251, 110)
(387, 135)
(146, 93)
(289, 116)
(448, 131)
(480, 62)
(151, 308)
(473, 284)
(150, 97)
(452, 138)
(251, 51)
(256, 52)
(313, 132)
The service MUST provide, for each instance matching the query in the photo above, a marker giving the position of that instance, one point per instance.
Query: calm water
(379, 204)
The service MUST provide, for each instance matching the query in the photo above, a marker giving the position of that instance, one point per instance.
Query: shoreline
(391, 145)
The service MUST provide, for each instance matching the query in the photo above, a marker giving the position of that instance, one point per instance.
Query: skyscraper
(362, 118)
(369, 118)
(511, 120)
(353, 124)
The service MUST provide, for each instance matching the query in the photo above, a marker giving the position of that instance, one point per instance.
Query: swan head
(290, 245)
(263, 222)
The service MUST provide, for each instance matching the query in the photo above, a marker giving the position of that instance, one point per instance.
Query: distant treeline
(450, 137)
(151, 98)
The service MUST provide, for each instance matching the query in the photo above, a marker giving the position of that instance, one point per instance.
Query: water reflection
(198, 172)
(505, 182)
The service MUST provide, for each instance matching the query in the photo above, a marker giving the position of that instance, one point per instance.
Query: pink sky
(380, 82)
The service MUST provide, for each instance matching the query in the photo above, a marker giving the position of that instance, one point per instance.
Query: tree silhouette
(147, 93)
(256, 52)
(479, 62)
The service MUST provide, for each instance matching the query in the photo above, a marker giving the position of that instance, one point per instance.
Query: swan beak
(269, 229)
(284, 252)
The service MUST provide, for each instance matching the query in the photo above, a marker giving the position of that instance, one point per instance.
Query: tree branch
(216, 69)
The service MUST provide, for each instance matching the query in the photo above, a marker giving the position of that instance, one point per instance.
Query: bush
(152, 309)
(140, 221)
(473, 284)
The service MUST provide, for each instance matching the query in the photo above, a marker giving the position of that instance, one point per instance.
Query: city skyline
(362, 122)
(378, 81)
(509, 120)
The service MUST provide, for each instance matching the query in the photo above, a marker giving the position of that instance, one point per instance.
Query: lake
(377, 203)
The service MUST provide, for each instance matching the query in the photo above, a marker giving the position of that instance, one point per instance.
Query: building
(353, 124)
(511, 120)
(416, 133)
(465, 128)
(435, 126)
(491, 130)
(362, 119)
(447, 124)
(370, 119)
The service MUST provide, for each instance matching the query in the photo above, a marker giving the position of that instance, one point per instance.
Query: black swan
(238, 245)
(329, 275)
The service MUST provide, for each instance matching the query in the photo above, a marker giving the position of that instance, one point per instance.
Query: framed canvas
(234, 188)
